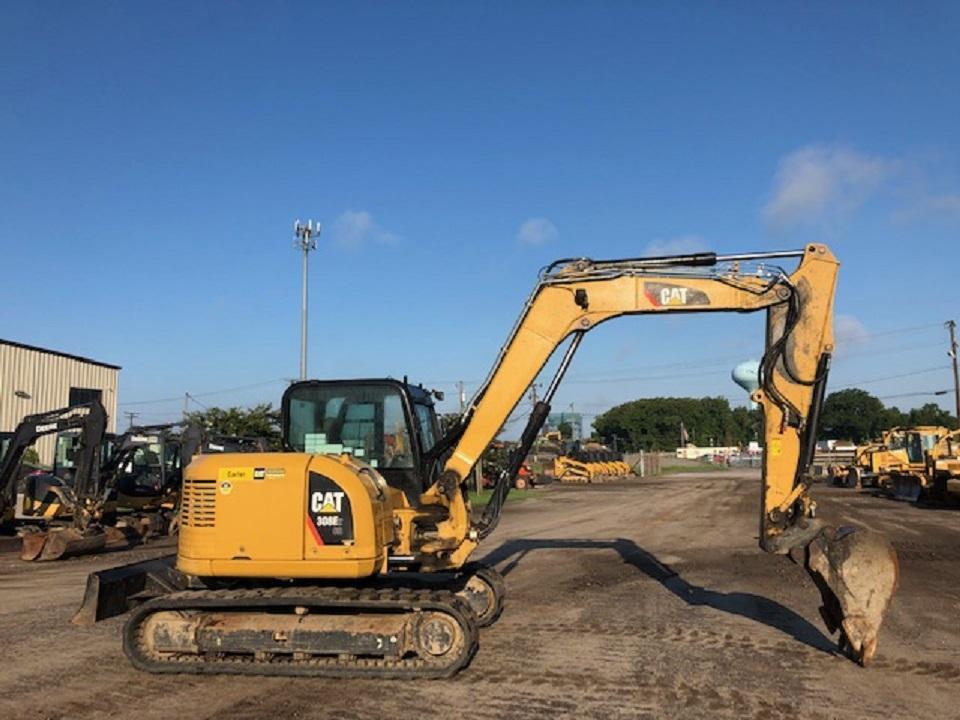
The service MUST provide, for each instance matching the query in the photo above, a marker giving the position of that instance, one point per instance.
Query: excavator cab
(69, 450)
(388, 424)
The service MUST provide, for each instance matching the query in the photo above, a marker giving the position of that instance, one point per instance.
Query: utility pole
(952, 327)
(186, 402)
(305, 240)
(130, 416)
(463, 396)
(533, 393)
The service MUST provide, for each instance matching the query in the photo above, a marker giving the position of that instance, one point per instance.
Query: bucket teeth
(857, 573)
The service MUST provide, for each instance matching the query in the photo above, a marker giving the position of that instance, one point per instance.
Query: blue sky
(154, 156)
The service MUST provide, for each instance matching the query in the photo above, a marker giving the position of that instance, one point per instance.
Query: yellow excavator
(349, 554)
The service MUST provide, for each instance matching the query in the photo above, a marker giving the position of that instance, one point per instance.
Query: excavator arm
(855, 571)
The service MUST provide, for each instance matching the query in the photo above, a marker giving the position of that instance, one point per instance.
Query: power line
(179, 398)
(721, 361)
(887, 351)
(902, 331)
(894, 377)
(644, 378)
(589, 377)
(913, 394)
(192, 399)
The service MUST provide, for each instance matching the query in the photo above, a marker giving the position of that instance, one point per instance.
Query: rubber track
(340, 598)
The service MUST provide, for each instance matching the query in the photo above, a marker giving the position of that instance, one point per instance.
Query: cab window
(366, 421)
(425, 420)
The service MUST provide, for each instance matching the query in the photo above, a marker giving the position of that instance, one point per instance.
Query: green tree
(447, 421)
(566, 430)
(894, 417)
(852, 414)
(747, 425)
(931, 414)
(654, 423)
(257, 421)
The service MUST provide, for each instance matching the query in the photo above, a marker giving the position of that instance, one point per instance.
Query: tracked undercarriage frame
(403, 625)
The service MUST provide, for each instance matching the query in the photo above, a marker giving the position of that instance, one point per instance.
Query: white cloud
(849, 332)
(681, 245)
(949, 203)
(355, 228)
(818, 183)
(932, 207)
(536, 231)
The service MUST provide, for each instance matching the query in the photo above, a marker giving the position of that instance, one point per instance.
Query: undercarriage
(397, 626)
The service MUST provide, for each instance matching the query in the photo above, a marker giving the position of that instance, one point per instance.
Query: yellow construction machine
(570, 470)
(906, 472)
(591, 463)
(872, 461)
(349, 554)
(943, 469)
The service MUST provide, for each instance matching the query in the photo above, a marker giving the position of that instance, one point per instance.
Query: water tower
(747, 376)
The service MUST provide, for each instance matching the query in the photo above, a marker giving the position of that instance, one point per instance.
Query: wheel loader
(348, 554)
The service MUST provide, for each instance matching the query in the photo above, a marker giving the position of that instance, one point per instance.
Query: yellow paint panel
(776, 447)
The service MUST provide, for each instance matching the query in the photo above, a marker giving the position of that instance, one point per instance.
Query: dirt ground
(647, 598)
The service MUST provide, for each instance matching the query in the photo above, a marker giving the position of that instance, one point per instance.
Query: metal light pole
(305, 235)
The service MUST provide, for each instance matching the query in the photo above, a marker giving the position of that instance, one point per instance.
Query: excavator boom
(857, 575)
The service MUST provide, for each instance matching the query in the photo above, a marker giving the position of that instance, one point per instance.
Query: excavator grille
(198, 506)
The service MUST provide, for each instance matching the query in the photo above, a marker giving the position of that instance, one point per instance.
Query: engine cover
(283, 515)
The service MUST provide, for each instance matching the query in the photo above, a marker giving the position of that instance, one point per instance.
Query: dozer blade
(857, 573)
(115, 591)
(906, 487)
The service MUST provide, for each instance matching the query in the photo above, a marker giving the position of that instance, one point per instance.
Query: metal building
(34, 379)
(574, 420)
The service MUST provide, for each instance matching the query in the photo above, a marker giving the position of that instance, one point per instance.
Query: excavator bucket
(57, 544)
(68, 542)
(857, 573)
